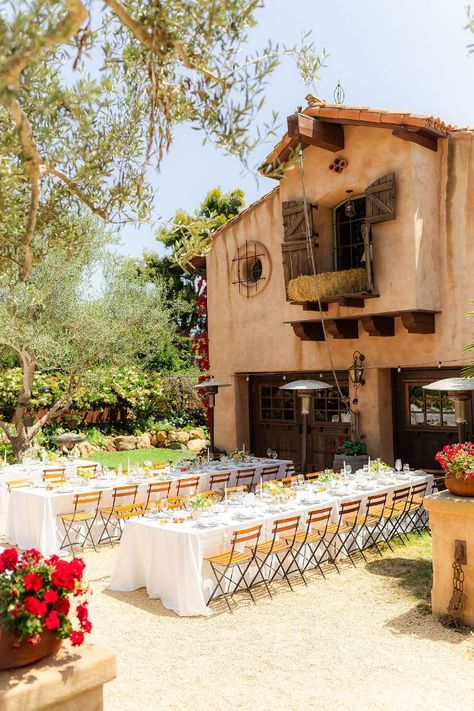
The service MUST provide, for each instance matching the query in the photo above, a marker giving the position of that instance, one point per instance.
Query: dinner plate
(205, 524)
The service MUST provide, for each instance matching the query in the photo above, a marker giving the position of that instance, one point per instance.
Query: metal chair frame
(116, 514)
(235, 559)
(313, 538)
(415, 511)
(277, 544)
(370, 522)
(392, 517)
(68, 520)
(157, 487)
(221, 478)
(342, 534)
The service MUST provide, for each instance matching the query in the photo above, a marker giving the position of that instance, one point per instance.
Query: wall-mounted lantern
(356, 371)
(349, 208)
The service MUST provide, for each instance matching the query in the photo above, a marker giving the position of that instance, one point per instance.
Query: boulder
(160, 436)
(179, 436)
(109, 444)
(196, 445)
(86, 449)
(197, 433)
(177, 445)
(125, 443)
(144, 441)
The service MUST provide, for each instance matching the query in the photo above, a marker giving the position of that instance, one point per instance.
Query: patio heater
(459, 390)
(305, 390)
(211, 388)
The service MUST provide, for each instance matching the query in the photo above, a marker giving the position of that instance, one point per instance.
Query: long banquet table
(34, 473)
(168, 558)
(32, 512)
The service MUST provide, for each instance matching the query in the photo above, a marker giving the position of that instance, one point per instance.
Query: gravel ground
(356, 641)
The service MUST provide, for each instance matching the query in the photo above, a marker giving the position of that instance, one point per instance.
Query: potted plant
(351, 451)
(35, 606)
(457, 462)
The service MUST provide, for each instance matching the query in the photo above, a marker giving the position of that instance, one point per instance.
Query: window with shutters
(276, 405)
(349, 250)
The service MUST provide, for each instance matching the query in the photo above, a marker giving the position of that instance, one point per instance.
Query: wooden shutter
(380, 200)
(294, 223)
(296, 260)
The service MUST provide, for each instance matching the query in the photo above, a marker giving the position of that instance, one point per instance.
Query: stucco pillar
(451, 519)
(375, 405)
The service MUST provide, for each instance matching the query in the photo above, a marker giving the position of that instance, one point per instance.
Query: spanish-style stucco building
(408, 238)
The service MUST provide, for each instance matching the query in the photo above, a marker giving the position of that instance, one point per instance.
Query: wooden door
(424, 420)
(276, 422)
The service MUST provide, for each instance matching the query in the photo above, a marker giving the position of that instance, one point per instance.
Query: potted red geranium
(457, 461)
(35, 607)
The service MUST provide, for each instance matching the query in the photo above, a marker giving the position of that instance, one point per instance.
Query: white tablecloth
(34, 473)
(168, 559)
(32, 512)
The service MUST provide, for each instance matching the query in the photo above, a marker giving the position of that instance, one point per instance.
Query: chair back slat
(17, 484)
(350, 507)
(376, 500)
(191, 482)
(236, 490)
(283, 525)
(319, 515)
(271, 472)
(419, 490)
(173, 502)
(246, 534)
(158, 487)
(400, 494)
(220, 478)
(313, 476)
(89, 498)
(288, 481)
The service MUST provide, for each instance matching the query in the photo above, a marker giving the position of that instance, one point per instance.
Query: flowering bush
(457, 460)
(351, 447)
(34, 596)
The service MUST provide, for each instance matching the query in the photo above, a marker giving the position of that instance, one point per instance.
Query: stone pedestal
(71, 680)
(451, 519)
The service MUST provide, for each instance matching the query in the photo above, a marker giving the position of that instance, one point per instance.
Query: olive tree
(90, 91)
(61, 321)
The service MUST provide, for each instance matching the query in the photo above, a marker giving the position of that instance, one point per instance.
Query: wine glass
(274, 454)
(406, 468)
(348, 469)
(269, 452)
(398, 465)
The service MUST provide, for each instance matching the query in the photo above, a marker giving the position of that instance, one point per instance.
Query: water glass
(406, 468)
(274, 454)
(348, 469)
(269, 452)
(398, 465)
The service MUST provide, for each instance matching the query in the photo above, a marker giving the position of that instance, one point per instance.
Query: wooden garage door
(276, 421)
(424, 420)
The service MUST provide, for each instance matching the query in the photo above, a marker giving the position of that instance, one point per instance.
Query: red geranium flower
(35, 640)
(63, 606)
(16, 610)
(9, 559)
(34, 606)
(52, 620)
(77, 638)
(50, 596)
(33, 581)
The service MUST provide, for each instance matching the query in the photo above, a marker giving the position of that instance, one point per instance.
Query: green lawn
(138, 456)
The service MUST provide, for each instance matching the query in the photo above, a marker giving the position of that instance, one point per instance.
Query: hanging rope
(309, 247)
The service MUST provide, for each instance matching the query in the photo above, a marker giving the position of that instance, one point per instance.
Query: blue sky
(409, 54)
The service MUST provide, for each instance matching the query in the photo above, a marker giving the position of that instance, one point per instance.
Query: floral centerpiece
(352, 451)
(328, 476)
(277, 490)
(237, 454)
(199, 502)
(378, 466)
(35, 606)
(457, 462)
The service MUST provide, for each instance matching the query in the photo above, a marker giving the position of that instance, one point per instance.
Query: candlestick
(243, 448)
(369, 466)
(344, 468)
(261, 485)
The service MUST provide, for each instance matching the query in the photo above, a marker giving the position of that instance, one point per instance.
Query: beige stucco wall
(422, 260)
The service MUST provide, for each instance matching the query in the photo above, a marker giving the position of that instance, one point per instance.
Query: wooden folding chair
(369, 523)
(339, 534)
(307, 543)
(187, 486)
(156, 491)
(245, 476)
(160, 465)
(119, 512)
(80, 516)
(17, 484)
(88, 468)
(269, 473)
(220, 480)
(283, 535)
(289, 481)
(233, 491)
(54, 476)
(415, 513)
(232, 560)
(392, 516)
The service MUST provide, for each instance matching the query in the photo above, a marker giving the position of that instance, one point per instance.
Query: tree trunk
(22, 443)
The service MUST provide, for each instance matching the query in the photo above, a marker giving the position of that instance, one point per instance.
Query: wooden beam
(351, 301)
(314, 306)
(313, 132)
(418, 321)
(308, 330)
(379, 325)
(415, 136)
(343, 328)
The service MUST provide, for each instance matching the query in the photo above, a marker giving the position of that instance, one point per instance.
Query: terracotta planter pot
(459, 487)
(356, 462)
(26, 654)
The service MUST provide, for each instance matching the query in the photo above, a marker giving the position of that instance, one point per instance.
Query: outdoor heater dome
(305, 389)
(459, 390)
